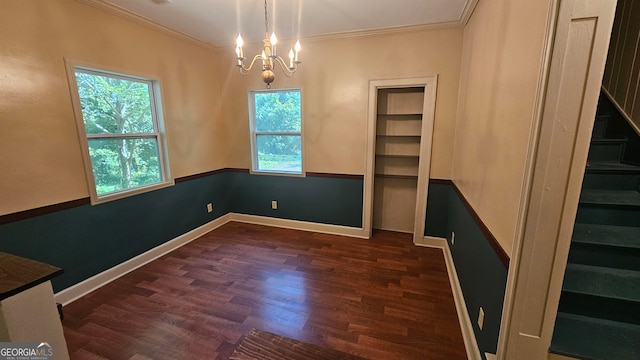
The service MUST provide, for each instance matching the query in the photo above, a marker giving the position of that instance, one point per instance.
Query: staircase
(599, 312)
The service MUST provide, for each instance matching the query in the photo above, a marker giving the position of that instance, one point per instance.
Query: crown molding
(372, 32)
(460, 23)
(467, 12)
(387, 31)
(141, 20)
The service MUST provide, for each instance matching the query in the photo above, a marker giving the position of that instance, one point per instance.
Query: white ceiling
(218, 22)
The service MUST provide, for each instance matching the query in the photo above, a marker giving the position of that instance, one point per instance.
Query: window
(119, 118)
(276, 131)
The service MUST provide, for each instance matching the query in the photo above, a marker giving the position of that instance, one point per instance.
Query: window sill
(96, 200)
(277, 173)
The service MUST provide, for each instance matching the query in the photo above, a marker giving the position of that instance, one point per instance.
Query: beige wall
(40, 158)
(622, 73)
(501, 60)
(205, 98)
(334, 78)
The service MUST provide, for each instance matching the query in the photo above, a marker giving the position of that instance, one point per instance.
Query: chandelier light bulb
(291, 65)
(296, 58)
(239, 52)
(273, 40)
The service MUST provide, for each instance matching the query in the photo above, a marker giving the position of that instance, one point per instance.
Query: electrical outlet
(209, 207)
(481, 318)
(274, 204)
(453, 238)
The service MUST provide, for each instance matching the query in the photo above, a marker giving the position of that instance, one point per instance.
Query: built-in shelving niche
(399, 139)
(399, 125)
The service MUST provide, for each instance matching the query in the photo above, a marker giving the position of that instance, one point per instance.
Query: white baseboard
(301, 225)
(82, 288)
(470, 343)
(432, 242)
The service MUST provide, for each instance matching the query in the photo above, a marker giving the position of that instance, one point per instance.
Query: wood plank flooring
(381, 298)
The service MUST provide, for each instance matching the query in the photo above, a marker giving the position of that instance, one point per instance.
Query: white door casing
(426, 140)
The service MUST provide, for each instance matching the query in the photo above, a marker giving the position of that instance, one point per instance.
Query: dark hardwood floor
(381, 298)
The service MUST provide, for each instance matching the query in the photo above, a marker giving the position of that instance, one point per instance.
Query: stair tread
(601, 281)
(609, 141)
(596, 234)
(613, 166)
(588, 338)
(610, 197)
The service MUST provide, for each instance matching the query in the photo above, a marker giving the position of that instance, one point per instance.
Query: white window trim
(253, 135)
(160, 133)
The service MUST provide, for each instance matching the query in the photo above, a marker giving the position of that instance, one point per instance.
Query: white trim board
(470, 343)
(84, 287)
(301, 225)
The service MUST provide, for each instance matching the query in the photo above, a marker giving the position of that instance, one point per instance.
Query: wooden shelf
(397, 176)
(399, 126)
(398, 145)
(400, 136)
(402, 166)
(400, 101)
(400, 116)
(399, 156)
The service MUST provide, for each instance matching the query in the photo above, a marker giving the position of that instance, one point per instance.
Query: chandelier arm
(285, 69)
(246, 70)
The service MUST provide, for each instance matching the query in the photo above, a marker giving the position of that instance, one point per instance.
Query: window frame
(159, 132)
(254, 134)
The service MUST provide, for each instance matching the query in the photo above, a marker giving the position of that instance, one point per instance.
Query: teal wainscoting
(86, 240)
(480, 264)
(437, 209)
(335, 200)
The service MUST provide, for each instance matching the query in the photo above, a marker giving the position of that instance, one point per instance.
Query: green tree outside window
(277, 131)
(122, 133)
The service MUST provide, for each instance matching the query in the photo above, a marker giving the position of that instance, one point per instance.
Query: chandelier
(269, 55)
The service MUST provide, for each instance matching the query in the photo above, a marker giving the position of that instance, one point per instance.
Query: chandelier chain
(266, 20)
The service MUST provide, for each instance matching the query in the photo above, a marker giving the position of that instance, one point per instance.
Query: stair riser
(604, 181)
(599, 128)
(621, 216)
(605, 256)
(599, 307)
(605, 152)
